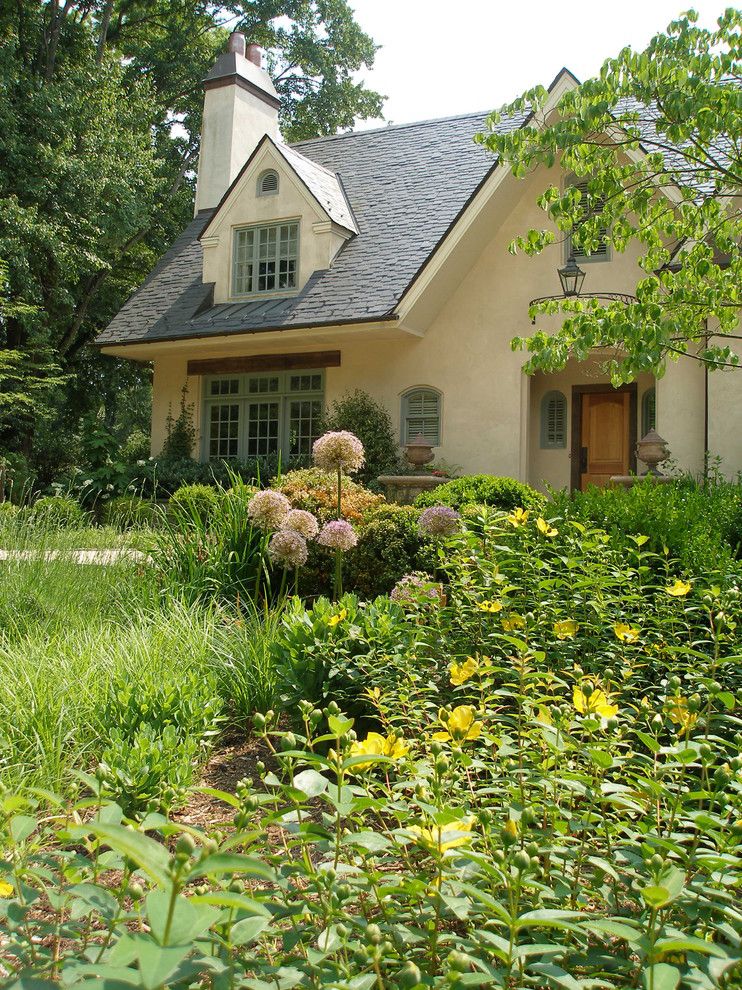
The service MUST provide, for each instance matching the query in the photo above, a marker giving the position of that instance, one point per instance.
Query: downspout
(706, 409)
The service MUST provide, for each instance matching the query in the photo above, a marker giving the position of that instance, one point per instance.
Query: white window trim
(243, 398)
(403, 396)
(266, 293)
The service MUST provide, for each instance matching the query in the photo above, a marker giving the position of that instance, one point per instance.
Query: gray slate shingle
(405, 185)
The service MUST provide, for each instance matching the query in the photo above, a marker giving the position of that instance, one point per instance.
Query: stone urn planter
(652, 450)
(418, 452)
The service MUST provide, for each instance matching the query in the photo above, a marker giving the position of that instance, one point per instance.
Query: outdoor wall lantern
(571, 277)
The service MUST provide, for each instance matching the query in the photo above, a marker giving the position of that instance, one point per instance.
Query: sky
(443, 58)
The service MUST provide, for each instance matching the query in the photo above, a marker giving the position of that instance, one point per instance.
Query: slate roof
(324, 185)
(405, 184)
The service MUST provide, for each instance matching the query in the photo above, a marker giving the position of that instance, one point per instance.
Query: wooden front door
(605, 420)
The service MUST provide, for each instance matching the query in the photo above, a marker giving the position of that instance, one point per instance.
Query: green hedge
(483, 489)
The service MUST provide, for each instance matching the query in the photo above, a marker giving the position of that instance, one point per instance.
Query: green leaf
(247, 930)
(150, 856)
(158, 963)
(310, 782)
(655, 897)
(339, 726)
(661, 976)
(21, 826)
(221, 863)
(177, 921)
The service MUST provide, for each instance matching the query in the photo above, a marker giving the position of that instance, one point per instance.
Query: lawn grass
(72, 634)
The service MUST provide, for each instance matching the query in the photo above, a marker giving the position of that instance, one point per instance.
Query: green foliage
(181, 432)
(129, 512)
(57, 512)
(159, 732)
(367, 419)
(197, 503)
(221, 557)
(677, 104)
(135, 447)
(161, 478)
(389, 546)
(700, 524)
(482, 489)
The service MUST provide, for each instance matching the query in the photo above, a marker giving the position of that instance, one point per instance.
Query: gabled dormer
(283, 218)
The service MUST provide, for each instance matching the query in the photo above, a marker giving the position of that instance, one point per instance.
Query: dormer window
(265, 259)
(268, 182)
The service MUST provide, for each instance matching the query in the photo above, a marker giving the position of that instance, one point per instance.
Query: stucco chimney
(240, 107)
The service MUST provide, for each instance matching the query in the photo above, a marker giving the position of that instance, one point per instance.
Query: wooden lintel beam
(265, 362)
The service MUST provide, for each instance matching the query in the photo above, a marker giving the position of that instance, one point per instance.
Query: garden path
(80, 556)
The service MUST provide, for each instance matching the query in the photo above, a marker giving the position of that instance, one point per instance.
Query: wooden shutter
(601, 251)
(553, 420)
(422, 414)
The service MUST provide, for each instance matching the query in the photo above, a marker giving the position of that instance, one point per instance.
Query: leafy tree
(657, 137)
(362, 415)
(95, 178)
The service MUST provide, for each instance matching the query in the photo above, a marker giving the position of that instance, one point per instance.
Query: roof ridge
(390, 127)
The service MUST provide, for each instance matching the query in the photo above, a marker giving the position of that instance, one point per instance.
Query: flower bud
(409, 976)
(185, 845)
(373, 934)
(521, 860)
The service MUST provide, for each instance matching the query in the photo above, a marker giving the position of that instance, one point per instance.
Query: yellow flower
(340, 617)
(546, 528)
(489, 605)
(6, 889)
(625, 633)
(514, 622)
(460, 724)
(681, 716)
(443, 837)
(518, 517)
(679, 589)
(511, 828)
(377, 745)
(461, 672)
(596, 703)
(565, 628)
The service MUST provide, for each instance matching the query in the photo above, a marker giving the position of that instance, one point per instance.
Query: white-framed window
(553, 421)
(265, 258)
(421, 414)
(602, 251)
(259, 415)
(268, 183)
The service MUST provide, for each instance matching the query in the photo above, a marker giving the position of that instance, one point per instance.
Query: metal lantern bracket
(572, 278)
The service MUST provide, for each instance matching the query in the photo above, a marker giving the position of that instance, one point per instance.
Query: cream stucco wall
(490, 421)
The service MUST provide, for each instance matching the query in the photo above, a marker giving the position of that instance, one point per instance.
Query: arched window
(268, 183)
(553, 421)
(421, 413)
(649, 411)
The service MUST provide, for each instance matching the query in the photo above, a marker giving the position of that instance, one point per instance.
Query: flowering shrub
(316, 491)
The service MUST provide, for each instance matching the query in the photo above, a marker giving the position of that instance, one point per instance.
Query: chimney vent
(237, 43)
(254, 54)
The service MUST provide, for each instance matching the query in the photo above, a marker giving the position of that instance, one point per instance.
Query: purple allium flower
(268, 509)
(288, 548)
(303, 523)
(416, 587)
(338, 535)
(439, 520)
(341, 450)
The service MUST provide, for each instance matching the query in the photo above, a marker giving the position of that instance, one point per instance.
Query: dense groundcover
(523, 770)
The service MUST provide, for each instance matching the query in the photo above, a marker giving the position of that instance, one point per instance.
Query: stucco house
(378, 259)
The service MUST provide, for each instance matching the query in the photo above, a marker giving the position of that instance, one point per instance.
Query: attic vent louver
(268, 183)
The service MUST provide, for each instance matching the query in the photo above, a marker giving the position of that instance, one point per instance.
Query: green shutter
(422, 415)
(553, 421)
(649, 411)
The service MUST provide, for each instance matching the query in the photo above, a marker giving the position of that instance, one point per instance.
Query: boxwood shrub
(483, 489)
